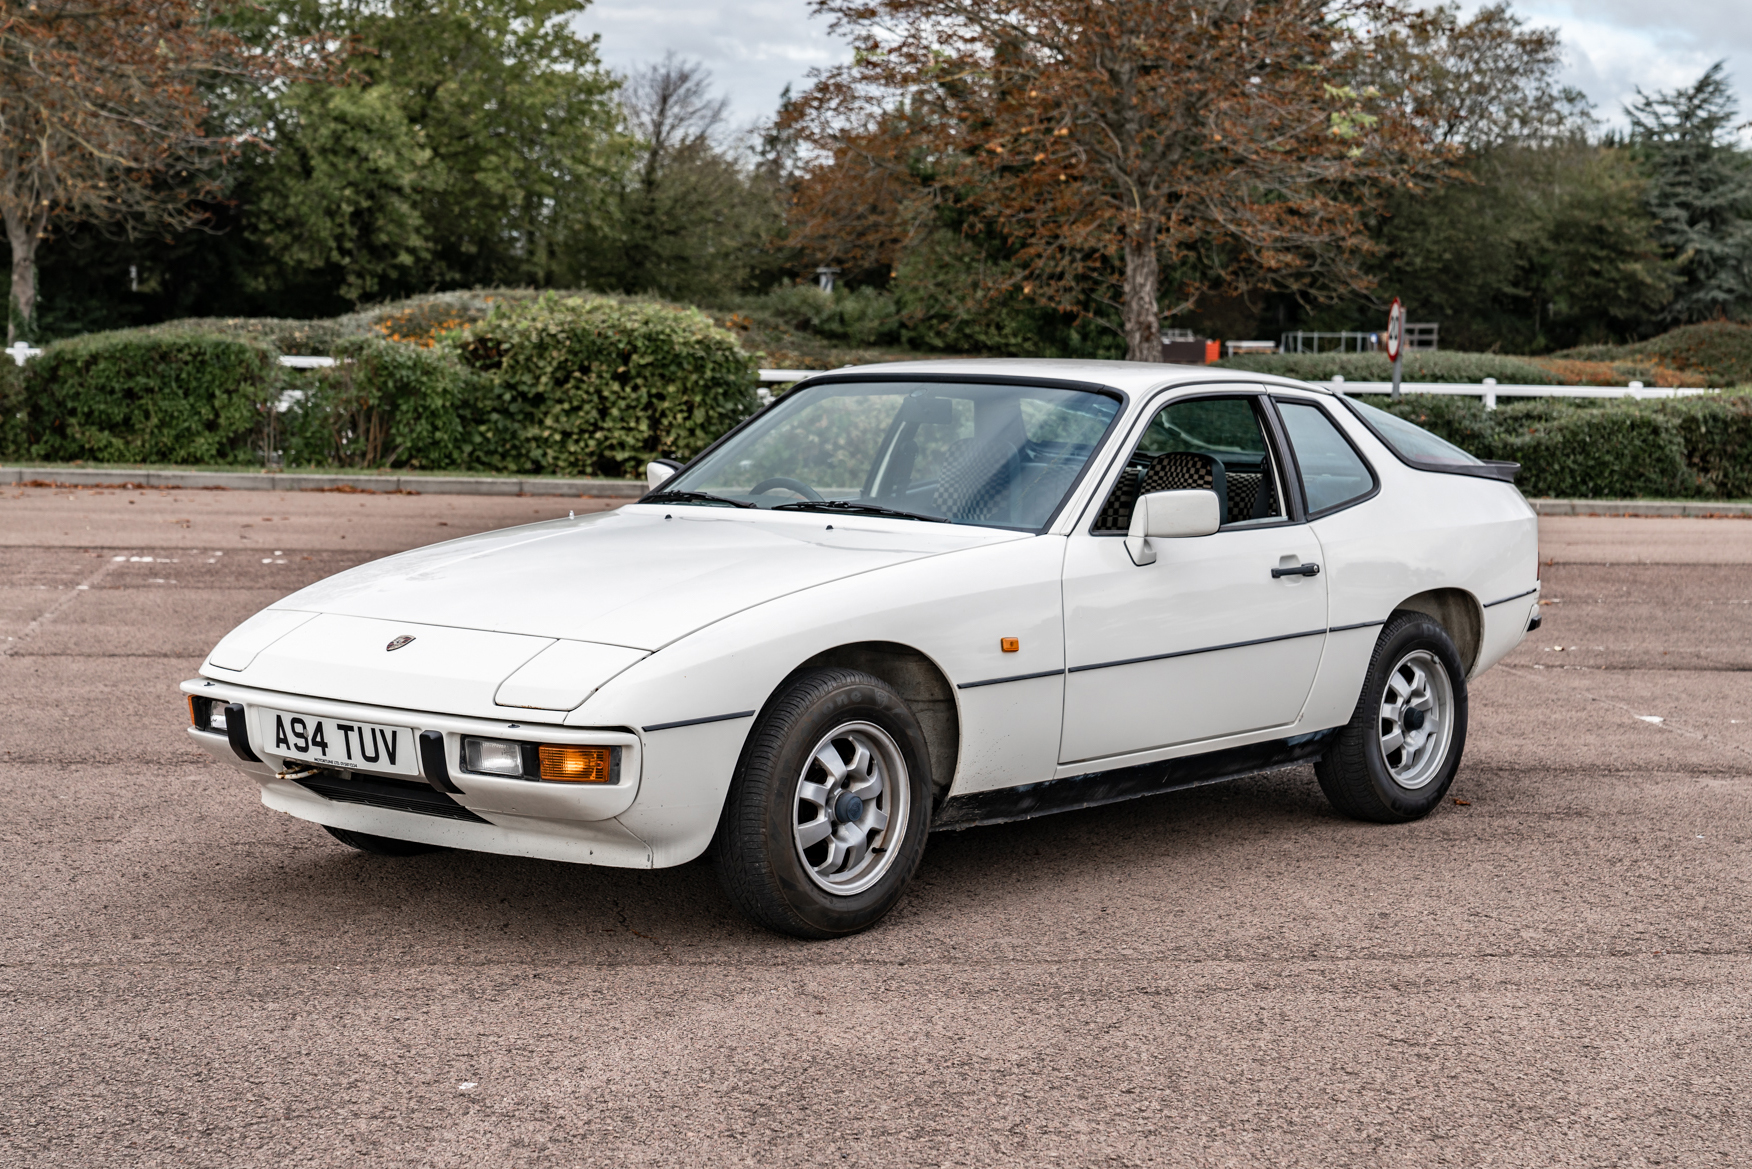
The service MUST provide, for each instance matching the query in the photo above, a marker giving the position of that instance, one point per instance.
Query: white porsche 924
(903, 598)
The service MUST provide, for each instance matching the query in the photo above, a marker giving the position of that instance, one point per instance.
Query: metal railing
(1418, 335)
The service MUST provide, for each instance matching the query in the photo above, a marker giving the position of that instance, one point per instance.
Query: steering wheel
(797, 485)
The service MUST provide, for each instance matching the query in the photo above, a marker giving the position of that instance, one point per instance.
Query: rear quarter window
(1333, 473)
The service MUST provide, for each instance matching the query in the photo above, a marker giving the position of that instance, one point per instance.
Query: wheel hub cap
(1417, 719)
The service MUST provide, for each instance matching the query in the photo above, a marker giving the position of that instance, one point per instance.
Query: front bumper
(520, 817)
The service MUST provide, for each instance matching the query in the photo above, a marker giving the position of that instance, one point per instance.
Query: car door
(1207, 641)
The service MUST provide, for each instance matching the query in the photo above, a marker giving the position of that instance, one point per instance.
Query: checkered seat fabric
(1187, 471)
(976, 480)
(1116, 512)
(1250, 496)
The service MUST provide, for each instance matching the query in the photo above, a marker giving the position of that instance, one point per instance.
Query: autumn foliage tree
(104, 116)
(1124, 148)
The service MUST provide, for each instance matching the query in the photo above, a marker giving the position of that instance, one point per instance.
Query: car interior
(1213, 444)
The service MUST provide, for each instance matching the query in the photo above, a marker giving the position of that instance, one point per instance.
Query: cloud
(753, 49)
(1614, 46)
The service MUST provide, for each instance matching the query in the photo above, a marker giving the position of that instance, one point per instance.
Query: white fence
(20, 353)
(1488, 389)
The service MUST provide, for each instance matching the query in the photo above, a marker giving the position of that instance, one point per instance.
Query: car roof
(1131, 376)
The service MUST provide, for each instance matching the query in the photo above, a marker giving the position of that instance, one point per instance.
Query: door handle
(1298, 570)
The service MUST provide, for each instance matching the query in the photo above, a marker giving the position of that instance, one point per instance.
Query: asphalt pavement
(1551, 970)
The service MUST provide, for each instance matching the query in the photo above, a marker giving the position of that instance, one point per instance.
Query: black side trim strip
(694, 722)
(238, 733)
(1182, 653)
(1126, 783)
(1516, 597)
(1011, 678)
(1358, 625)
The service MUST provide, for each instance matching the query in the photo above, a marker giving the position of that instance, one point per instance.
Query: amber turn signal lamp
(575, 764)
(1009, 644)
(194, 719)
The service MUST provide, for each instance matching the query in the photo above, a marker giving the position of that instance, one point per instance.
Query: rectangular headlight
(206, 714)
(493, 756)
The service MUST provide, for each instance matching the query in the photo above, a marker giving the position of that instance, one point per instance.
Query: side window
(1212, 443)
(1333, 474)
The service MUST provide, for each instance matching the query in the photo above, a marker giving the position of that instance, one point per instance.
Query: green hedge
(134, 397)
(1699, 447)
(383, 404)
(1719, 350)
(593, 386)
(12, 444)
(1434, 365)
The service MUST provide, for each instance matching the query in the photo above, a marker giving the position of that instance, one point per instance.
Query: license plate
(352, 746)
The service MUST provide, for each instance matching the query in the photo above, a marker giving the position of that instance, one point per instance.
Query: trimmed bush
(1717, 433)
(383, 405)
(1609, 452)
(12, 444)
(579, 386)
(1721, 351)
(1601, 449)
(158, 397)
(1436, 365)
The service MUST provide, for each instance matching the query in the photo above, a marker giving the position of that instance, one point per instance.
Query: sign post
(1396, 341)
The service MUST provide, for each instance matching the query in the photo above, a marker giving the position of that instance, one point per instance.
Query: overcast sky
(753, 48)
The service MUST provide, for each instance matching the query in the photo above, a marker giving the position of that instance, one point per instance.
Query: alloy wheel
(852, 802)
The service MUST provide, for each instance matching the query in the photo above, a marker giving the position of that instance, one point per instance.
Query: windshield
(1409, 441)
(998, 455)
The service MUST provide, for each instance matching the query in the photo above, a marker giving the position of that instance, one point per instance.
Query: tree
(1478, 82)
(103, 118)
(1220, 140)
(344, 192)
(691, 212)
(470, 146)
(1541, 238)
(1700, 193)
(1544, 245)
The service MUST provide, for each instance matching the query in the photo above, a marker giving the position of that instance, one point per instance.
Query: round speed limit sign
(1395, 329)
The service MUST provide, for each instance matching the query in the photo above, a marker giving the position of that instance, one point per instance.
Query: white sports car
(903, 598)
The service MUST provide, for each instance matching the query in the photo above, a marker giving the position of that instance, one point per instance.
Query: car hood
(640, 577)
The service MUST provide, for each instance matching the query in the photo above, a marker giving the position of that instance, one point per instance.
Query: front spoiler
(519, 817)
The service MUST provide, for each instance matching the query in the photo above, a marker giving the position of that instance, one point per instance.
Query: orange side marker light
(1009, 644)
(569, 764)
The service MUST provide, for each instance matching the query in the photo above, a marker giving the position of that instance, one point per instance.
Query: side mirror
(1170, 515)
(657, 470)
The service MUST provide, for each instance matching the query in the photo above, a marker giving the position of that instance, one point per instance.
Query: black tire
(380, 845)
(762, 863)
(1356, 773)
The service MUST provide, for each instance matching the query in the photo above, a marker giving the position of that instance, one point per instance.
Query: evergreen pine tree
(1700, 192)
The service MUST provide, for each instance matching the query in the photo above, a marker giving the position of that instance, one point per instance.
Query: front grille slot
(395, 794)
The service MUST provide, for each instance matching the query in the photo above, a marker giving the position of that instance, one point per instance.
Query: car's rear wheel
(1396, 758)
(827, 815)
(380, 845)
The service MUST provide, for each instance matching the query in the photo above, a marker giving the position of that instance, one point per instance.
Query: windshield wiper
(692, 497)
(853, 505)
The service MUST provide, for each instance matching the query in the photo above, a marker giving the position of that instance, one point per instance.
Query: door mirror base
(657, 470)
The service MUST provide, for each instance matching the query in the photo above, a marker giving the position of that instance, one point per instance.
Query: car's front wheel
(827, 815)
(1396, 758)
